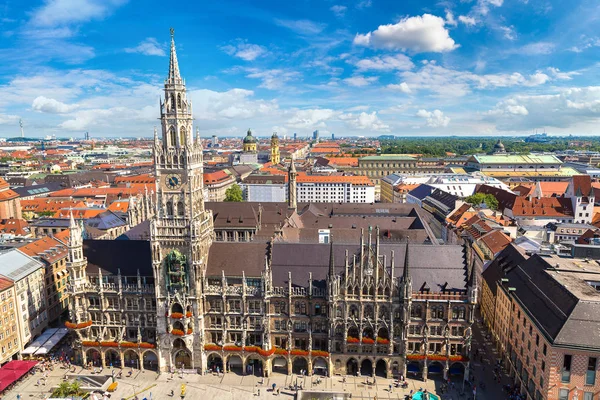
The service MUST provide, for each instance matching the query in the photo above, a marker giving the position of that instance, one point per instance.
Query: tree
(234, 193)
(68, 389)
(481, 198)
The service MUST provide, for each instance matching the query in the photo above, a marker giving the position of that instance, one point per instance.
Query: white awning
(319, 363)
(280, 362)
(53, 341)
(39, 342)
(235, 360)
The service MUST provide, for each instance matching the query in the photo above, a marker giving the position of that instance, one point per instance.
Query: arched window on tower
(172, 137)
(182, 136)
(169, 209)
(172, 105)
(179, 101)
(180, 210)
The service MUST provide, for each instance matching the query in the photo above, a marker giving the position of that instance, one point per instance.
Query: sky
(355, 67)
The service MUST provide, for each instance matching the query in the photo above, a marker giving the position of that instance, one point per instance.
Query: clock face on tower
(173, 181)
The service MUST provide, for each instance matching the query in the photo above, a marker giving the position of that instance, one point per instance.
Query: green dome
(274, 135)
(249, 138)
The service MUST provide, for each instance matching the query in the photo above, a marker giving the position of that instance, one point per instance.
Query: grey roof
(38, 190)
(16, 265)
(51, 222)
(444, 267)
(421, 191)
(129, 256)
(235, 257)
(555, 293)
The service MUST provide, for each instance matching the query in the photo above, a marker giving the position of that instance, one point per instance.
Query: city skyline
(360, 68)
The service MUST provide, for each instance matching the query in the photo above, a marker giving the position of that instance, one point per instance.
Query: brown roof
(6, 283)
(458, 213)
(543, 207)
(505, 199)
(14, 226)
(47, 248)
(496, 241)
(582, 185)
(237, 257)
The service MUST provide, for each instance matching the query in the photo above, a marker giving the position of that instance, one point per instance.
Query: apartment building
(335, 189)
(9, 333)
(28, 275)
(53, 254)
(544, 314)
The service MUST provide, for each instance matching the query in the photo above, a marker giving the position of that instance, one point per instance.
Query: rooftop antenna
(21, 125)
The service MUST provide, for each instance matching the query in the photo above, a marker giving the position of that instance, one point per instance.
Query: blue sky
(356, 67)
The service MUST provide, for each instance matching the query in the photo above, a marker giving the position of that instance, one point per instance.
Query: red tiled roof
(216, 177)
(544, 207)
(44, 204)
(496, 241)
(14, 226)
(6, 283)
(582, 185)
(47, 248)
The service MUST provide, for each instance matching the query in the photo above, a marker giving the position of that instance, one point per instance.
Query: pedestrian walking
(390, 388)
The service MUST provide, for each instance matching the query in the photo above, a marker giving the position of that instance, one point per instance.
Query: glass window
(566, 369)
(590, 374)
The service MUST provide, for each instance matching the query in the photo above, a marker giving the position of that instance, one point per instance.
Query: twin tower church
(252, 288)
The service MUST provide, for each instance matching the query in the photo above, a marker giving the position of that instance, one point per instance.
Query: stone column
(122, 359)
(141, 357)
(102, 358)
(425, 370)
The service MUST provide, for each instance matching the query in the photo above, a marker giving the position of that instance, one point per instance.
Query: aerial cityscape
(313, 235)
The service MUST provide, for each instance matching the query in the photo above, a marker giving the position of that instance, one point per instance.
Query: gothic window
(172, 137)
(180, 210)
(179, 101)
(162, 160)
(182, 136)
(383, 312)
(181, 160)
(416, 311)
(169, 209)
(172, 102)
(368, 312)
(458, 313)
(353, 311)
(437, 312)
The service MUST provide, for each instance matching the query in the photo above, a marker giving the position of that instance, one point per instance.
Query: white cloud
(364, 4)
(234, 104)
(272, 79)
(385, 63)
(147, 47)
(450, 18)
(360, 81)
(339, 11)
(454, 83)
(469, 21)
(59, 12)
(302, 26)
(365, 121)
(434, 119)
(537, 48)
(419, 34)
(52, 106)
(6, 119)
(508, 32)
(402, 87)
(245, 51)
(576, 108)
(557, 74)
(311, 118)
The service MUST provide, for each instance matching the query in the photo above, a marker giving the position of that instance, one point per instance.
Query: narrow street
(483, 366)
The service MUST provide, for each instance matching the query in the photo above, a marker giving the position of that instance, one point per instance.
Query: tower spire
(406, 272)
(174, 77)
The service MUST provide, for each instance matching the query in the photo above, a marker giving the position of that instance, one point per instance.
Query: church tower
(181, 230)
(275, 158)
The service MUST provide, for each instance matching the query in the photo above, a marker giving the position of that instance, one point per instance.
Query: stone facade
(266, 306)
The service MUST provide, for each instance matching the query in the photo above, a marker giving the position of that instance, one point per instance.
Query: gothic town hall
(252, 288)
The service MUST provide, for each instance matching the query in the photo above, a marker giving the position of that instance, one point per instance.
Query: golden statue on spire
(172, 32)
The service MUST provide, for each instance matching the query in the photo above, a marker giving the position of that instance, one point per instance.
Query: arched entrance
(93, 357)
(235, 364)
(381, 369)
(176, 308)
(254, 366)
(131, 358)
(352, 367)
(366, 368)
(395, 369)
(215, 363)
(112, 358)
(413, 368)
(183, 359)
(300, 365)
(320, 366)
(150, 360)
(280, 365)
(435, 368)
(457, 369)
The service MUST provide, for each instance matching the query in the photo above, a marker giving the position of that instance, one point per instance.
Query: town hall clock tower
(181, 231)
